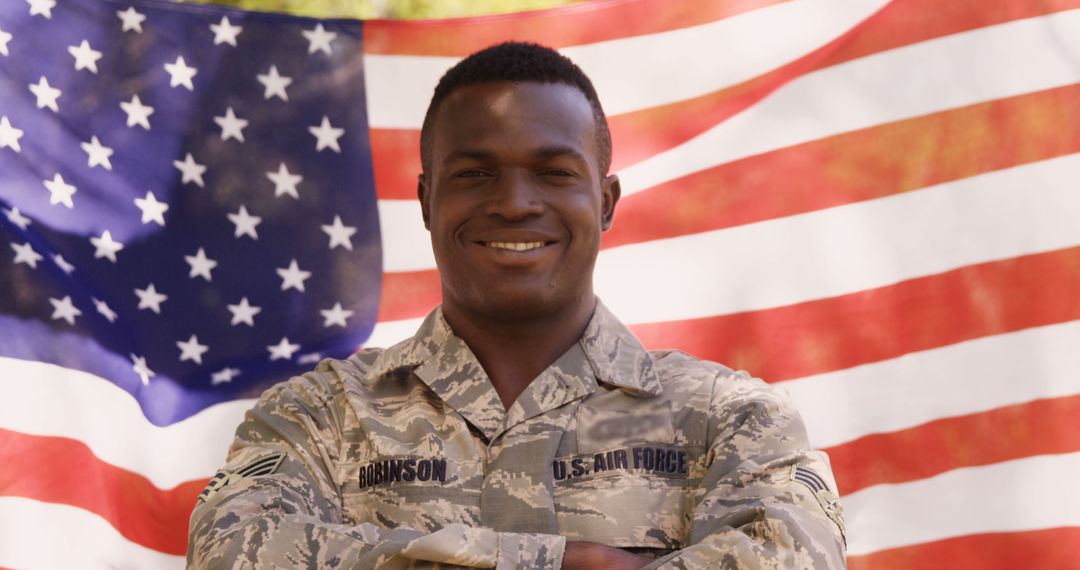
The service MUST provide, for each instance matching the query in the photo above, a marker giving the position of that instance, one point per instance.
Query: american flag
(872, 203)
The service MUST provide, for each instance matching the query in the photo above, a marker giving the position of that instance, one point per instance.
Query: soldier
(523, 426)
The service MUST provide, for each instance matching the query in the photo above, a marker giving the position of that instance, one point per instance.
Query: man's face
(514, 201)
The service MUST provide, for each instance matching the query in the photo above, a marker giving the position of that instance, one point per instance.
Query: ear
(423, 193)
(610, 190)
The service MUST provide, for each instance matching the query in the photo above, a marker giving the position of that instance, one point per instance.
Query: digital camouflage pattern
(407, 458)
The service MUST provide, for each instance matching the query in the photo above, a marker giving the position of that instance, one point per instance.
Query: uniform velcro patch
(830, 503)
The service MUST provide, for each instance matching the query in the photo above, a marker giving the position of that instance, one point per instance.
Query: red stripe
(409, 294)
(564, 26)
(1042, 427)
(1048, 549)
(877, 324)
(65, 471)
(641, 134)
(856, 166)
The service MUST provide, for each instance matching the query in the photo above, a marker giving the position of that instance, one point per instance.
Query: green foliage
(393, 9)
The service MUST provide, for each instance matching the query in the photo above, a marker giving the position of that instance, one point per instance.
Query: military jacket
(406, 457)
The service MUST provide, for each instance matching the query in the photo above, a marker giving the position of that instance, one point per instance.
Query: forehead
(507, 115)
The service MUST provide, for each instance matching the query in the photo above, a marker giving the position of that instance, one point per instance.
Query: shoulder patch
(265, 465)
(829, 501)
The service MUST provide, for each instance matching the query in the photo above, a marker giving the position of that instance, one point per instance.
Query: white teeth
(516, 246)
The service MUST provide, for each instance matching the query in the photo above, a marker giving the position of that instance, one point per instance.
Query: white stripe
(70, 403)
(1000, 61)
(1008, 213)
(956, 380)
(405, 242)
(1014, 496)
(37, 535)
(645, 71)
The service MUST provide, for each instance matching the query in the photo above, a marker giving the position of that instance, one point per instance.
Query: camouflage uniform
(407, 458)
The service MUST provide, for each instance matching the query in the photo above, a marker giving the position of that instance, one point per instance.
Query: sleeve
(766, 499)
(276, 502)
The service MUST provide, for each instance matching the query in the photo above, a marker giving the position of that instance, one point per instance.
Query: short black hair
(516, 61)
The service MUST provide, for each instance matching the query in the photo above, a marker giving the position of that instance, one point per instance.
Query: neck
(514, 351)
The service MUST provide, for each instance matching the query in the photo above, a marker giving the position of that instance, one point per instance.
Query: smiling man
(523, 426)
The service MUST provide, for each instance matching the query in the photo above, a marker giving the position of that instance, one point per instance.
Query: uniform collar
(608, 352)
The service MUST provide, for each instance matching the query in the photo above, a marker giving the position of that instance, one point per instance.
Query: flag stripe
(65, 471)
(875, 324)
(861, 165)
(70, 403)
(1020, 495)
(1042, 427)
(957, 380)
(399, 87)
(557, 28)
(643, 133)
(1048, 549)
(34, 534)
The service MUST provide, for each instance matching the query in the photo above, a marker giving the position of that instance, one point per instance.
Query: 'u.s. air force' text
(659, 460)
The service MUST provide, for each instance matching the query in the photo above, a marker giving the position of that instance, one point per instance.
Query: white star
(137, 113)
(309, 358)
(326, 136)
(131, 20)
(225, 32)
(4, 39)
(149, 298)
(192, 350)
(152, 210)
(200, 264)
(282, 349)
(336, 316)
(105, 246)
(9, 135)
(180, 73)
(319, 39)
(231, 125)
(275, 84)
(25, 254)
(245, 224)
(60, 191)
(97, 154)
(191, 170)
(62, 263)
(15, 216)
(285, 182)
(46, 94)
(293, 277)
(63, 309)
(242, 312)
(339, 233)
(41, 7)
(141, 368)
(85, 56)
(224, 375)
(104, 309)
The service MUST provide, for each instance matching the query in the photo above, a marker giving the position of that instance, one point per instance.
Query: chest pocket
(633, 497)
(424, 493)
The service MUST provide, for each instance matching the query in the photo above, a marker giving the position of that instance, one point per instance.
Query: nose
(515, 197)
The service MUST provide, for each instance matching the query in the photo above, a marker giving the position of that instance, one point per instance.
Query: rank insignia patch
(828, 500)
(261, 466)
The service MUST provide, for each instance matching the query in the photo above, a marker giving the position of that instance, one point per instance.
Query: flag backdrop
(874, 204)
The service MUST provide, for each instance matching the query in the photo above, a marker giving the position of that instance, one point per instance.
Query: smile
(515, 246)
